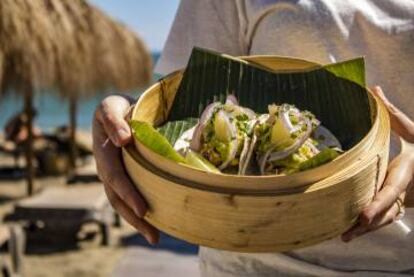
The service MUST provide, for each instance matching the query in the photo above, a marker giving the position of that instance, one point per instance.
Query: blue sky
(151, 19)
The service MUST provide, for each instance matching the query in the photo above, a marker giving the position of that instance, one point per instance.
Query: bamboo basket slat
(255, 214)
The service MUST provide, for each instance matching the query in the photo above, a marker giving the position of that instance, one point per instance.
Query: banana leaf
(335, 93)
(172, 130)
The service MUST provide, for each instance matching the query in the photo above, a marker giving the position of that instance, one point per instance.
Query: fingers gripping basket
(256, 213)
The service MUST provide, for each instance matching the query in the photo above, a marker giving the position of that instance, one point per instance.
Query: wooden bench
(57, 214)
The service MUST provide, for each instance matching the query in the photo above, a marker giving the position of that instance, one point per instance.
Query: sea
(53, 110)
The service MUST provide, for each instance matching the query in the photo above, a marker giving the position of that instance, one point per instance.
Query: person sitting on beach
(16, 134)
(15, 129)
(318, 30)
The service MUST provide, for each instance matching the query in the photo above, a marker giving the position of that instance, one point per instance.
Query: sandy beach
(88, 257)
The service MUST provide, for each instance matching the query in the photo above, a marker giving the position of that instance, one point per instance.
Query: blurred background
(151, 21)
(58, 60)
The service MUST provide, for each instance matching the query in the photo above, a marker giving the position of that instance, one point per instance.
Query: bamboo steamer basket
(255, 213)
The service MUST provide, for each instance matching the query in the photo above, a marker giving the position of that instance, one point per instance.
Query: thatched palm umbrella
(68, 46)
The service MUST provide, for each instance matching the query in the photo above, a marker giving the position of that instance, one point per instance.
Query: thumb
(111, 115)
(401, 124)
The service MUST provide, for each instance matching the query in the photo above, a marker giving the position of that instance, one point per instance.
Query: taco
(223, 135)
(288, 140)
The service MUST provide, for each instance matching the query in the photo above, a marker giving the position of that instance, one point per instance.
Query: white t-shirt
(317, 30)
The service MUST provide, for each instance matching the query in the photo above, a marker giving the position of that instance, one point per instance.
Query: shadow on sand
(166, 243)
(10, 173)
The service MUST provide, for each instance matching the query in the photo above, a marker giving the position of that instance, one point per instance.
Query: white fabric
(318, 30)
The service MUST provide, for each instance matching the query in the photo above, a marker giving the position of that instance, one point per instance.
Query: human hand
(109, 122)
(387, 205)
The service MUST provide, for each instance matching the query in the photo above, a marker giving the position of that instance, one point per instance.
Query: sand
(88, 259)
(127, 253)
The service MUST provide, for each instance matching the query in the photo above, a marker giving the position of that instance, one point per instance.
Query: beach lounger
(57, 214)
(11, 149)
(13, 240)
(85, 173)
(51, 152)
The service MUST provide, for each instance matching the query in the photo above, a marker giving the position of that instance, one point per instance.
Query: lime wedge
(196, 160)
(321, 158)
(151, 138)
(222, 127)
(280, 134)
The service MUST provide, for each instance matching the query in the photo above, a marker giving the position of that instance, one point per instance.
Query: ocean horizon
(53, 111)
